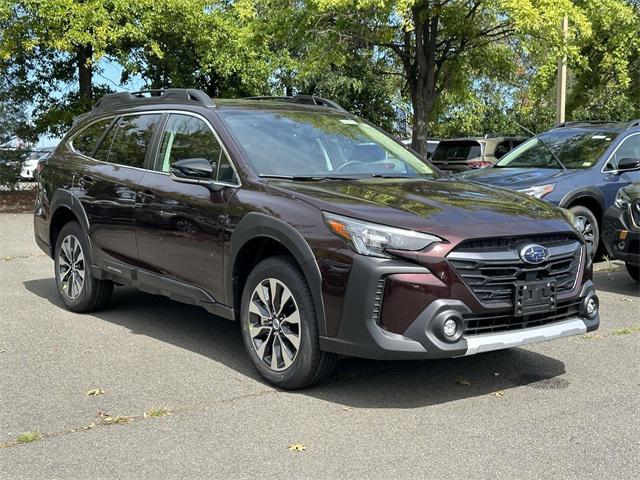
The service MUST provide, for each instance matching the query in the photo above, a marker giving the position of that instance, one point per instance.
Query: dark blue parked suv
(576, 165)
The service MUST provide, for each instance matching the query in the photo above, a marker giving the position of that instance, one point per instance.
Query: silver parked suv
(460, 154)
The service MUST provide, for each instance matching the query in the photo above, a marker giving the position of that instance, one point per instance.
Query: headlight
(622, 200)
(372, 239)
(539, 191)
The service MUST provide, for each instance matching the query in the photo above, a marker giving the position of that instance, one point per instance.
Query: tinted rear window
(456, 151)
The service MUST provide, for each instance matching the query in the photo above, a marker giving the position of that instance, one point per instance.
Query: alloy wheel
(71, 267)
(274, 324)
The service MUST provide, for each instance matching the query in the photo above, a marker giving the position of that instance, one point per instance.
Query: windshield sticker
(599, 137)
(349, 122)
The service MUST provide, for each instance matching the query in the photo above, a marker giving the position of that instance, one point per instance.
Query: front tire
(634, 271)
(79, 290)
(588, 226)
(279, 326)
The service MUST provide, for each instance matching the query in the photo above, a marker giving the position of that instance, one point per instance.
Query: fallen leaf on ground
(463, 382)
(95, 392)
(346, 409)
(297, 447)
(498, 394)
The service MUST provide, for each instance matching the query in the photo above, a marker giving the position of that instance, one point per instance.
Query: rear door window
(85, 142)
(132, 139)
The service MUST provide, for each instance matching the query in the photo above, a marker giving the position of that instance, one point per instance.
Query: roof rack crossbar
(168, 94)
(302, 99)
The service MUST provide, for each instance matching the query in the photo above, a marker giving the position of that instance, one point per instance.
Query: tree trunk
(85, 72)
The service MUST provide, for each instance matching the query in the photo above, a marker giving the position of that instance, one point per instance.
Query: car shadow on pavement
(357, 383)
(616, 282)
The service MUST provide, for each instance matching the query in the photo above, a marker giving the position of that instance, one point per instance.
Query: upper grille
(490, 268)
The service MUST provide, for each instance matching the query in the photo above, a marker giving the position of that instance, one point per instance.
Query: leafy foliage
(448, 67)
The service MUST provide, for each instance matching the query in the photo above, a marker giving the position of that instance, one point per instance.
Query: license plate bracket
(534, 297)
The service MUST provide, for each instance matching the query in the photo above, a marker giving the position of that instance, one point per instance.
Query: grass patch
(156, 412)
(591, 336)
(119, 420)
(29, 437)
(627, 331)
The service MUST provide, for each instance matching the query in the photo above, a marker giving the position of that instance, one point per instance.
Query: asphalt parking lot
(177, 397)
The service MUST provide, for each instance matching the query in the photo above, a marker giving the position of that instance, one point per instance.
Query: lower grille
(610, 226)
(489, 323)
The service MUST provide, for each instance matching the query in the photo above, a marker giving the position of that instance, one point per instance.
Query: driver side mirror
(192, 170)
(626, 164)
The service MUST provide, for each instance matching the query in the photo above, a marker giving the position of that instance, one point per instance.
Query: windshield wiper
(544, 144)
(304, 178)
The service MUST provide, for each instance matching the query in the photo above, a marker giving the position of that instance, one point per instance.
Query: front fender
(260, 225)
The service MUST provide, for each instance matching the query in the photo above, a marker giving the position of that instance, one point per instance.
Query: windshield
(574, 148)
(319, 144)
(450, 151)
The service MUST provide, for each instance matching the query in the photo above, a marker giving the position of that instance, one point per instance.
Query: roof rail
(153, 96)
(584, 122)
(304, 100)
(633, 124)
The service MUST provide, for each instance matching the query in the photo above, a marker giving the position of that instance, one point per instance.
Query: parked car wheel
(279, 326)
(80, 291)
(588, 225)
(634, 271)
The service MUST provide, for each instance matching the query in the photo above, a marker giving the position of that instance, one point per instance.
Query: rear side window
(85, 142)
(187, 137)
(452, 151)
(132, 138)
(502, 149)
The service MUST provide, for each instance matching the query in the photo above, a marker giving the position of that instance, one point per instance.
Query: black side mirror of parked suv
(629, 164)
(193, 170)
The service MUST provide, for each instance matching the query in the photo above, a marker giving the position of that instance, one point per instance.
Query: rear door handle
(85, 181)
(146, 197)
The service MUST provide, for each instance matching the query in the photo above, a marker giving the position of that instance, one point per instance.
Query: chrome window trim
(615, 172)
(156, 112)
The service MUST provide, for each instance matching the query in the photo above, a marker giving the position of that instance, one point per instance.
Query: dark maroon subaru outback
(318, 232)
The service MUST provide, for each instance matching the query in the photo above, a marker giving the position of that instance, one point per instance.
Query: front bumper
(621, 238)
(361, 335)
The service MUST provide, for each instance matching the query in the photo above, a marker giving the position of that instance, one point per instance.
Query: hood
(517, 178)
(448, 208)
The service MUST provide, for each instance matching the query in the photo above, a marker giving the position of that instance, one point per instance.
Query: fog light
(590, 305)
(450, 327)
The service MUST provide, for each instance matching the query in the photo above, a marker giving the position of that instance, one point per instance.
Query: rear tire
(79, 290)
(634, 271)
(590, 230)
(279, 326)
